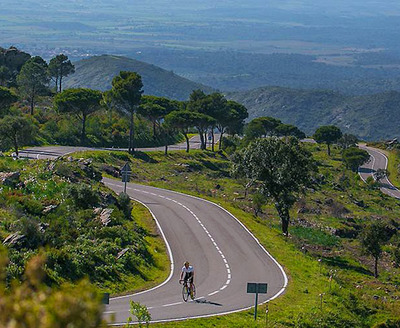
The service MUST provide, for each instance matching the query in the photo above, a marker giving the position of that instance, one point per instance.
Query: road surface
(53, 152)
(378, 161)
(224, 253)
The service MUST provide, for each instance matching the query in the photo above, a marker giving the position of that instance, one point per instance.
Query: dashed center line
(229, 275)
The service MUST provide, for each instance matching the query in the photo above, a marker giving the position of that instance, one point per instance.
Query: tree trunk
(329, 149)
(376, 268)
(131, 148)
(83, 136)
(61, 76)
(16, 145)
(166, 150)
(285, 218)
(205, 140)
(201, 139)
(187, 142)
(213, 139)
(154, 130)
(32, 105)
(220, 139)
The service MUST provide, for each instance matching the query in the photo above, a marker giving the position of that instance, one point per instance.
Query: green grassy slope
(98, 72)
(59, 208)
(325, 225)
(368, 117)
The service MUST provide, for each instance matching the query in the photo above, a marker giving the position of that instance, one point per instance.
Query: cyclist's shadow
(204, 301)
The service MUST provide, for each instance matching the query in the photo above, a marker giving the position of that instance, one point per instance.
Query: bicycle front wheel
(185, 293)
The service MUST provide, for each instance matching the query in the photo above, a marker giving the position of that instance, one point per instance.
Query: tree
(328, 134)
(60, 67)
(5, 76)
(16, 131)
(372, 238)
(203, 123)
(125, 97)
(81, 102)
(282, 168)
(286, 130)
(261, 127)
(33, 80)
(231, 118)
(7, 98)
(182, 120)
(201, 103)
(32, 304)
(347, 141)
(258, 201)
(354, 157)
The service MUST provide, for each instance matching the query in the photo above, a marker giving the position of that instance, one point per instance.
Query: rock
(97, 210)
(9, 178)
(108, 199)
(105, 216)
(359, 203)
(111, 170)
(43, 226)
(49, 208)
(13, 239)
(122, 253)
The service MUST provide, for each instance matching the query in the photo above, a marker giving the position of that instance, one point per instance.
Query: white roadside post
(126, 174)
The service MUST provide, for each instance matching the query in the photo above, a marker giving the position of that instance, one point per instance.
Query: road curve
(224, 253)
(378, 161)
(53, 152)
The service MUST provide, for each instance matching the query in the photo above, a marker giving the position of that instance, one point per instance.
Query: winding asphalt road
(224, 253)
(378, 161)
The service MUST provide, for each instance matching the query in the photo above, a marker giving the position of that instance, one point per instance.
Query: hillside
(97, 73)
(369, 117)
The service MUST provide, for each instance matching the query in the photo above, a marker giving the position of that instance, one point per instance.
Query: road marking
(172, 304)
(213, 293)
(205, 230)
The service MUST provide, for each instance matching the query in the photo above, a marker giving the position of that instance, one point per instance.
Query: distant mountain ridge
(97, 73)
(369, 117)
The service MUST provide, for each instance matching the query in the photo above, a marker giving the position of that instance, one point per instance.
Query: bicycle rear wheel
(185, 293)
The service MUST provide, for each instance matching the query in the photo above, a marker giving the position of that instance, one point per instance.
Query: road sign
(256, 288)
(260, 288)
(126, 174)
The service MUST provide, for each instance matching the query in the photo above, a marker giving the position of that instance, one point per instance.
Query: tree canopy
(355, 157)
(7, 98)
(125, 97)
(282, 168)
(60, 67)
(16, 131)
(33, 79)
(328, 134)
(81, 102)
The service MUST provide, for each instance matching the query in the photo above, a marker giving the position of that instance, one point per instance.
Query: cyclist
(187, 274)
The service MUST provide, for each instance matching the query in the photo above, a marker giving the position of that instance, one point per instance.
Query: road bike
(187, 291)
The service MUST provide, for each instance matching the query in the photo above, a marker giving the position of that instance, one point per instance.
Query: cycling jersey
(187, 270)
(188, 273)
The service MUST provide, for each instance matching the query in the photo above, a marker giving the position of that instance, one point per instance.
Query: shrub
(83, 196)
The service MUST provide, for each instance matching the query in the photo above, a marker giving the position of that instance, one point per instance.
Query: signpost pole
(125, 186)
(255, 306)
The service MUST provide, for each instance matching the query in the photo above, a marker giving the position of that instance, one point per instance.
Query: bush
(83, 196)
(125, 205)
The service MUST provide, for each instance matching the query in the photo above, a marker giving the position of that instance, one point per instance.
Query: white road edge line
(257, 241)
(169, 254)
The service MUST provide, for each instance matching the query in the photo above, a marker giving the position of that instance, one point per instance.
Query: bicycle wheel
(193, 292)
(185, 293)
